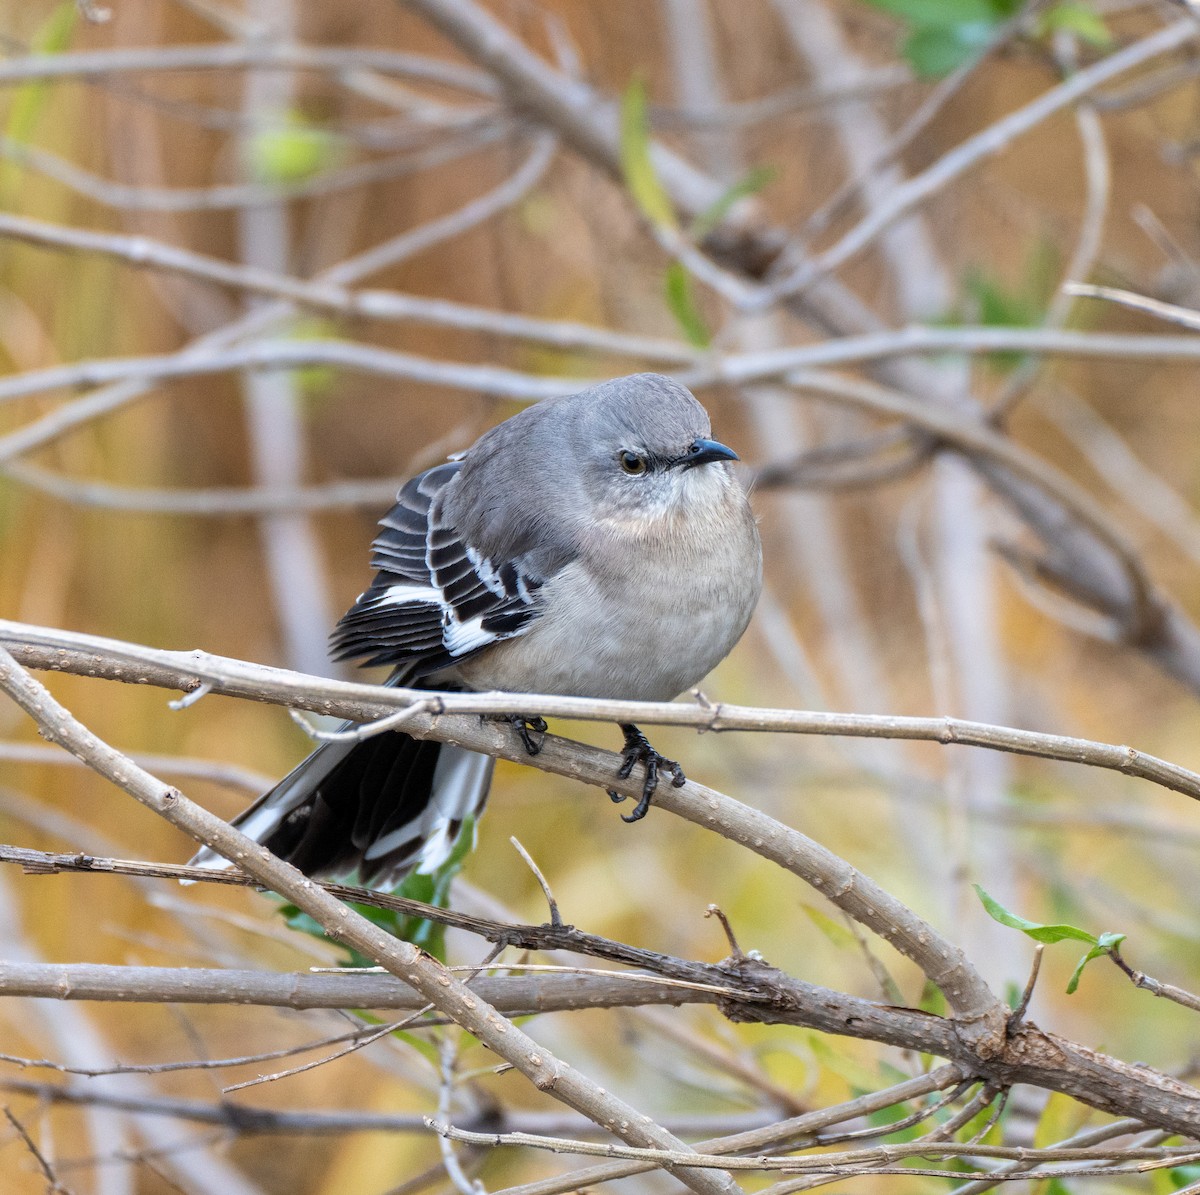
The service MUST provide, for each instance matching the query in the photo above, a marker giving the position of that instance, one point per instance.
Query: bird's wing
(435, 600)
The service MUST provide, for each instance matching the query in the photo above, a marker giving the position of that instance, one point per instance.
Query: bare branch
(255, 355)
(251, 1119)
(257, 55)
(833, 1163)
(790, 1134)
(58, 423)
(1171, 312)
(371, 304)
(977, 1034)
(212, 770)
(111, 659)
(53, 1185)
(467, 139)
(213, 502)
(403, 959)
(993, 140)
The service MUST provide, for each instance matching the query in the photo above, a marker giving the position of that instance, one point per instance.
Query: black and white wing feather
(372, 810)
(435, 600)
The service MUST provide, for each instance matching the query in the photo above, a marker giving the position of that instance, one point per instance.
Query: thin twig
(197, 1064)
(1185, 317)
(258, 55)
(991, 141)
(357, 1041)
(406, 961)
(213, 770)
(44, 1166)
(551, 903)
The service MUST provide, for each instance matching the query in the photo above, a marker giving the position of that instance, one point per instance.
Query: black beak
(704, 452)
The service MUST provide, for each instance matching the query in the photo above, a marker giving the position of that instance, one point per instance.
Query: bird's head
(649, 449)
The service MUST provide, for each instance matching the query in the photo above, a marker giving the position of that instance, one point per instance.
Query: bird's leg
(527, 728)
(638, 750)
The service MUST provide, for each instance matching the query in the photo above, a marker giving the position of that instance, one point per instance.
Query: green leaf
(53, 37)
(291, 151)
(946, 34)
(750, 183)
(936, 50)
(429, 888)
(997, 303)
(301, 922)
(1072, 16)
(1036, 930)
(427, 1049)
(682, 302)
(941, 13)
(643, 183)
(840, 1062)
(1095, 952)
(1060, 1118)
(1052, 933)
(834, 931)
(1175, 1179)
(932, 1000)
(28, 101)
(313, 382)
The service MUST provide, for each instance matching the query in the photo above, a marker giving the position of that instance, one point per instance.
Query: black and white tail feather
(371, 811)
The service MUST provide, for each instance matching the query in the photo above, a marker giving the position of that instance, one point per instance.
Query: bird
(592, 545)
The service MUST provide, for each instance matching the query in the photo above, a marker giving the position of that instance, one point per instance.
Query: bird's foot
(532, 731)
(638, 750)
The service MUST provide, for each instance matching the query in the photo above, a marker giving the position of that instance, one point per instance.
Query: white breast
(649, 609)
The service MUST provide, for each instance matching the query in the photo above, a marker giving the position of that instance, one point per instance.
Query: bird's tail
(368, 812)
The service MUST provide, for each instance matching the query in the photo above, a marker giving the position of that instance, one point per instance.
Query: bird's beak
(703, 452)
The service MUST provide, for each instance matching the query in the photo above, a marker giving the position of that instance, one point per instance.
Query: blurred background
(232, 510)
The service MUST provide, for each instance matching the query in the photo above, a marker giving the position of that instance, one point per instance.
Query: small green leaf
(1095, 952)
(840, 1062)
(946, 34)
(1052, 933)
(429, 888)
(749, 184)
(682, 302)
(291, 151)
(941, 13)
(932, 1000)
(936, 50)
(1036, 930)
(643, 183)
(1077, 18)
(301, 922)
(833, 930)
(427, 1049)
(313, 382)
(52, 37)
(1060, 1118)
(1177, 1178)
(995, 302)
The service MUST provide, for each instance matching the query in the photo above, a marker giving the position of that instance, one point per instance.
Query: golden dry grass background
(573, 248)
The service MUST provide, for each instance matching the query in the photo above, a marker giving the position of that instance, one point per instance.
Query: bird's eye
(632, 462)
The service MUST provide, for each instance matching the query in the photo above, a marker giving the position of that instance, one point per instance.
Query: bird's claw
(527, 728)
(638, 750)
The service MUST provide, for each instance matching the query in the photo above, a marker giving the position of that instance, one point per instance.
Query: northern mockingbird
(595, 545)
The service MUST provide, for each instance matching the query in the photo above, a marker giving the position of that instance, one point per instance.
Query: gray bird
(595, 545)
